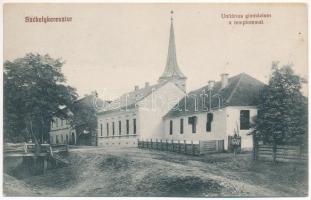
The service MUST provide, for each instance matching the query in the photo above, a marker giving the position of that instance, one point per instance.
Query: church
(166, 111)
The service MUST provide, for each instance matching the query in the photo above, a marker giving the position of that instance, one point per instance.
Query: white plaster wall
(224, 123)
(233, 119)
(105, 139)
(130, 141)
(154, 107)
(217, 130)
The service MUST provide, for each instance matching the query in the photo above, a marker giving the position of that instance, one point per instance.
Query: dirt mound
(116, 163)
(180, 186)
(15, 187)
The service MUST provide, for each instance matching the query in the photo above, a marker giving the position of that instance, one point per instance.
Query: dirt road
(136, 172)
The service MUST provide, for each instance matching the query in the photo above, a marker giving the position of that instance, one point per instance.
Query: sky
(111, 48)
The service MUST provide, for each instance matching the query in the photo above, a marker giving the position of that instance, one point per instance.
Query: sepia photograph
(155, 100)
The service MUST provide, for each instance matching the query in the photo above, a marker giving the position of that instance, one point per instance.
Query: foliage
(283, 112)
(34, 88)
(84, 118)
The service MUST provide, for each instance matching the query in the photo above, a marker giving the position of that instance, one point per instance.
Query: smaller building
(216, 111)
(83, 129)
(60, 130)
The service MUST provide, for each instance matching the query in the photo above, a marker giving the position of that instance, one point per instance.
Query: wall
(154, 107)
(233, 120)
(148, 114)
(60, 128)
(217, 130)
(224, 123)
(108, 139)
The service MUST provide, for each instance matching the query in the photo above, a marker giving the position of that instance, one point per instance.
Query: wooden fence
(185, 147)
(284, 153)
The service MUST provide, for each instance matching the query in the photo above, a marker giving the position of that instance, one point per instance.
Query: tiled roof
(242, 90)
(129, 99)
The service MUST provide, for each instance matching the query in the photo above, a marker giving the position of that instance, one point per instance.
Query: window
(244, 120)
(127, 126)
(193, 122)
(61, 122)
(120, 128)
(209, 122)
(107, 129)
(181, 126)
(134, 126)
(62, 138)
(56, 121)
(171, 127)
(101, 129)
(112, 128)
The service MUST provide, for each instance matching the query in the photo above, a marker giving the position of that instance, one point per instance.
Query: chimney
(136, 87)
(224, 80)
(147, 84)
(210, 84)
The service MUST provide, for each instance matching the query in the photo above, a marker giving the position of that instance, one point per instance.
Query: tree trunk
(274, 151)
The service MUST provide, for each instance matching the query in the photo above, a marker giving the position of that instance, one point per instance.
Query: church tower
(172, 72)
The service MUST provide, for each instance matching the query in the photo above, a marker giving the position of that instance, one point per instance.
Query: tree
(282, 112)
(84, 118)
(34, 89)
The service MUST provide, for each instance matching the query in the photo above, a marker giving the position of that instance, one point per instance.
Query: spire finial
(172, 12)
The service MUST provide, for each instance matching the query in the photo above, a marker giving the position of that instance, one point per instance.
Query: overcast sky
(112, 47)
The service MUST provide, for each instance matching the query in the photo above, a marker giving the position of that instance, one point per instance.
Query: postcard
(155, 100)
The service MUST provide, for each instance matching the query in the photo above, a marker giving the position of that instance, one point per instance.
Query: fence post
(185, 146)
(274, 149)
(172, 145)
(151, 143)
(166, 145)
(300, 152)
(161, 144)
(192, 147)
(178, 146)
(255, 148)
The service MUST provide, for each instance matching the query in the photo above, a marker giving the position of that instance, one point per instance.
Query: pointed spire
(171, 69)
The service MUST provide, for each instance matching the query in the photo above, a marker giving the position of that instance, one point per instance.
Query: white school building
(166, 111)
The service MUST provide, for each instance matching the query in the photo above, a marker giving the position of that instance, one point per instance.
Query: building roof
(90, 100)
(130, 99)
(171, 69)
(241, 90)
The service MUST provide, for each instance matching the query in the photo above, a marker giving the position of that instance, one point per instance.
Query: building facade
(165, 111)
(138, 114)
(83, 114)
(229, 111)
(61, 132)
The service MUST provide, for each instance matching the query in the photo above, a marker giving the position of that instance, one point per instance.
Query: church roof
(242, 90)
(128, 100)
(171, 69)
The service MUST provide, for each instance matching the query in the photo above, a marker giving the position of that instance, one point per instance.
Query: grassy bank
(136, 172)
